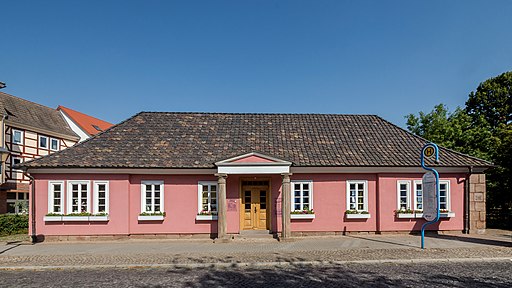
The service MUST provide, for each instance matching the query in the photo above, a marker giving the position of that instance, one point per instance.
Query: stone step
(255, 234)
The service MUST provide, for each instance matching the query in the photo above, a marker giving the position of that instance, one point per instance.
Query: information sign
(429, 196)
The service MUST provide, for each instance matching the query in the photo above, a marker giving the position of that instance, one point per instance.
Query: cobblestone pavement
(443, 274)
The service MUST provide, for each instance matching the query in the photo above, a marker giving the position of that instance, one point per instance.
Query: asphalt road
(442, 274)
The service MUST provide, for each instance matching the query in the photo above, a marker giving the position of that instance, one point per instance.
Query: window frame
(301, 182)
(47, 142)
(365, 195)
(51, 196)
(21, 136)
(16, 201)
(96, 203)
(58, 144)
(415, 192)
(200, 185)
(448, 193)
(70, 197)
(448, 189)
(408, 203)
(16, 157)
(143, 196)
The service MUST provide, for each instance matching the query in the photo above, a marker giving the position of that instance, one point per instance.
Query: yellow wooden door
(255, 208)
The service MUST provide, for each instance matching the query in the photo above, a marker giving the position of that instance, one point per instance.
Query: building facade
(217, 175)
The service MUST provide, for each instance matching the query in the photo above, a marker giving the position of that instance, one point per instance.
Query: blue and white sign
(429, 196)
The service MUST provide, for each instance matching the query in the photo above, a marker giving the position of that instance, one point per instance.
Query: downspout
(466, 200)
(32, 206)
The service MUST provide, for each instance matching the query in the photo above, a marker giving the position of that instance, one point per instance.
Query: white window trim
(408, 201)
(96, 196)
(47, 142)
(70, 197)
(143, 196)
(50, 196)
(58, 144)
(448, 192)
(200, 185)
(310, 182)
(414, 191)
(365, 191)
(12, 162)
(21, 137)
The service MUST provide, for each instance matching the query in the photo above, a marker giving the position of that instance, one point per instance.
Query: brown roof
(89, 124)
(27, 113)
(198, 140)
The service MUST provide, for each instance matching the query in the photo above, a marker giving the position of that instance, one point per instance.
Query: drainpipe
(32, 206)
(466, 200)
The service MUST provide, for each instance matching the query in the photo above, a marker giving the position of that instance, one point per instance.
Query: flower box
(357, 216)
(75, 218)
(98, 218)
(302, 216)
(406, 215)
(151, 217)
(52, 218)
(420, 215)
(206, 217)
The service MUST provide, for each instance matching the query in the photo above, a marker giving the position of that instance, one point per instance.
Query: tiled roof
(198, 140)
(27, 113)
(89, 124)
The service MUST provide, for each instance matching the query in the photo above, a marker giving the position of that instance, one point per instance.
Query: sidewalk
(200, 253)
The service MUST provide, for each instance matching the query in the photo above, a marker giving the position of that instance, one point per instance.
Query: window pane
(11, 195)
(213, 188)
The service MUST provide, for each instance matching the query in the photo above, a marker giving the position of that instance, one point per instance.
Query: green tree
(482, 129)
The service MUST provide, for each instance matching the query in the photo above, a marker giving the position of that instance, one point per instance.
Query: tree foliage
(482, 129)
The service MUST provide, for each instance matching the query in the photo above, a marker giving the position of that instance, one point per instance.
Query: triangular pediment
(253, 158)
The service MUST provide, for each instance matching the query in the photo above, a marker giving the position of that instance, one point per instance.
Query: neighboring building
(175, 174)
(29, 130)
(84, 125)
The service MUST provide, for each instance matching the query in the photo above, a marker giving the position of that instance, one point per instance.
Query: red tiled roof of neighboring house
(89, 124)
(199, 140)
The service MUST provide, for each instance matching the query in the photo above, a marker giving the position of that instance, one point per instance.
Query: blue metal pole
(438, 196)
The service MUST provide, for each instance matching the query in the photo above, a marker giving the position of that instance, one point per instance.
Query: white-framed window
(207, 196)
(43, 142)
(302, 195)
(101, 197)
(78, 197)
(444, 195)
(403, 189)
(17, 136)
(17, 202)
(357, 195)
(16, 161)
(56, 197)
(418, 195)
(152, 196)
(54, 144)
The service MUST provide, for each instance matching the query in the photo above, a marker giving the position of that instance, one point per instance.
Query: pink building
(217, 175)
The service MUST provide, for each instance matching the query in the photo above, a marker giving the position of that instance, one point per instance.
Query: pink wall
(253, 159)
(181, 201)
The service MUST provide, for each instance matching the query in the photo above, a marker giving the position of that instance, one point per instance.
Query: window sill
(207, 217)
(420, 215)
(357, 216)
(75, 218)
(302, 216)
(150, 218)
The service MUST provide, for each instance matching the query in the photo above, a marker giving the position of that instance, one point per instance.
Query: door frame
(269, 200)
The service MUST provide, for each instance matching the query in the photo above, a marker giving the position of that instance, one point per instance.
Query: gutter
(33, 234)
(466, 200)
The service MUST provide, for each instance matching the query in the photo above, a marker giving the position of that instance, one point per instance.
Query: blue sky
(112, 59)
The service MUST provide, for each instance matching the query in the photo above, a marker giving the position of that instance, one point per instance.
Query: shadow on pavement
(476, 240)
(383, 241)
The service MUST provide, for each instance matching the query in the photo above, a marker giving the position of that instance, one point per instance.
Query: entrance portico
(254, 197)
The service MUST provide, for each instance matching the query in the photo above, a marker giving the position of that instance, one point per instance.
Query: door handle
(254, 209)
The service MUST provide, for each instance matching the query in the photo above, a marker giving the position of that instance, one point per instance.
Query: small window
(207, 195)
(54, 145)
(17, 136)
(17, 202)
(418, 196)
(152, 197)
(302, 195)
(56, 197)
(444, 195)
(403, 189)
(357, 195)
(78, 197)
(14, 162)
(101, 197)
(43, 142)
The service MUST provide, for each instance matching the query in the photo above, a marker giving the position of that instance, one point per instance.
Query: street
(440, 274)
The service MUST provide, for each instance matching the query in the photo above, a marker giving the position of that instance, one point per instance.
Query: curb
(254, 264)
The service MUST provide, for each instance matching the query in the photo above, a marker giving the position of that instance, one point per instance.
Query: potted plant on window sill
(76, 217)
(205, 215)
(355, 214)
(151, 216)
(443, 213)
(406, 213)
(305, 213)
